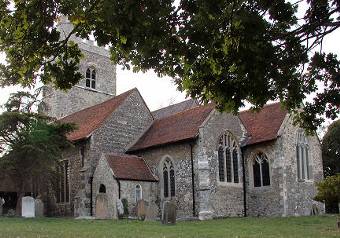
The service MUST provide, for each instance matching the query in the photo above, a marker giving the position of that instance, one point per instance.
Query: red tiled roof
(89, 119)
(263, 125)
(129, 167)
(178, 127)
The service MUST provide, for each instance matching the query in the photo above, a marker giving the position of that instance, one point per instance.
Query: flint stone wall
(215, 198)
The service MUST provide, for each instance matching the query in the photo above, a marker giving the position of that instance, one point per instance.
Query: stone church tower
(98, 84)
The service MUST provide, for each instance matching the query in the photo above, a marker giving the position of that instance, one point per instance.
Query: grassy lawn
(323, 226)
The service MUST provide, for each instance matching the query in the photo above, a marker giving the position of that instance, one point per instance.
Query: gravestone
(102, 206)
(169, 213)
(39, 208)
(2, 202)
(27, 207)
(120, 208)
(141, 210)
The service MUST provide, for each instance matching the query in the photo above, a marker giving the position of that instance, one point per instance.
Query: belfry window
(228, 159)
(169, 188)
(91, 78)
(304, 169)
(261, 173)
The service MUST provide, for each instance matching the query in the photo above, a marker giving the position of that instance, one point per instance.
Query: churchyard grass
(317, 226)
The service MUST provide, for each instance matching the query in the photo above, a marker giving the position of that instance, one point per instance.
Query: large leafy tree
(30, 144)
(226, 51)
(331, 149)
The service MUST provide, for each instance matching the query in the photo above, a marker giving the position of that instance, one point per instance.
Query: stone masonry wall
(298, 195)
(267, 200)
(217, 199)
(180, 155)
(103, 175)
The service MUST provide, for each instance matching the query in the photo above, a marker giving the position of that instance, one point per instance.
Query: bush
(329, 190)
(126, 207)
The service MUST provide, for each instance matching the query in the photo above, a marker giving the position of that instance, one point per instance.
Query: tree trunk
(21, 194)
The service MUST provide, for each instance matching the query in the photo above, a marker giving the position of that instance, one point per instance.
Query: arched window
(228, 159)
(91, 78)
(261, 174)
(169, 188)
(138, 193)
(102, 188)
(304, 170)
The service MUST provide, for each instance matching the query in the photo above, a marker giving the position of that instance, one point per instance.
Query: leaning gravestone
(120, 208)
(169, 212)
(39, 208)
(141, 210)
(28, 207)
(2, 202)
(102, 206)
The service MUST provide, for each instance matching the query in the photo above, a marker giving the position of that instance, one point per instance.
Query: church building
(211, 164)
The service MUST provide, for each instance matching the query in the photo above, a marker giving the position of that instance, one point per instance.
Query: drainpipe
(244, 183)
(192, 181)
(91, 195)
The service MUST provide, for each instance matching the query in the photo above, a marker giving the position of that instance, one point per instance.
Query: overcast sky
(160, 92)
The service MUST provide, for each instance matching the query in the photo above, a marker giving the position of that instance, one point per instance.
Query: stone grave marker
(141, 210)
(169, 213)
(120, 208)
(28, 207)
(2, 202)
(39, 208)
(102, 206)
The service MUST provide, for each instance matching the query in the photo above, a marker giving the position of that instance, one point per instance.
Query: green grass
(321, 226)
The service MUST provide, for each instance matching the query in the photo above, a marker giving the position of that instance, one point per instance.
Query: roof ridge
(265, 105)
(172, 105)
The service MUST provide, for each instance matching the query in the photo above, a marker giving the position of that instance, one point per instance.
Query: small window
(138, 193)
(261, 174)
(228, 159)
(102, 188)
(91, 78)
(82, 156)
(169, 182)
(304, 168)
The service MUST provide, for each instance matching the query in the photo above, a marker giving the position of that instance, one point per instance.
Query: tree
(229, 52)
(329, 190)
(331, 150)
(31, 144)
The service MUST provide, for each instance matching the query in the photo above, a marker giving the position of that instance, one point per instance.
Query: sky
(160, 92)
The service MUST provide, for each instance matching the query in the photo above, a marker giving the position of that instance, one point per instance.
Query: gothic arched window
(304, 169)
(91, 78)
(138, 193)
(228, 159)
(169, 188)
(261, 174)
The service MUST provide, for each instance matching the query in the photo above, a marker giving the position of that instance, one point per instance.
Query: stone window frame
(91, 74)
(304, 168)
(160, 169)
(141, 192)
(251, 173)
(239, 155)
(66, 198)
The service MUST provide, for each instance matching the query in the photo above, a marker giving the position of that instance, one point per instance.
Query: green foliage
(331, 149)
(30, 143)
(329, 190)
(229, 52)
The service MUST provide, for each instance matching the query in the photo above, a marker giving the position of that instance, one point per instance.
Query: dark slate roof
(130, 167)
(89, 119)
(263, 125)
(177, 127)
(173, 109)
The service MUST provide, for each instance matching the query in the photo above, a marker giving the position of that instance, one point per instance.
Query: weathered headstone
(120, 208)
(141, 210)
(28, 207)
(2, 202)
(39, 208)
(102, 206)
(169, 212)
